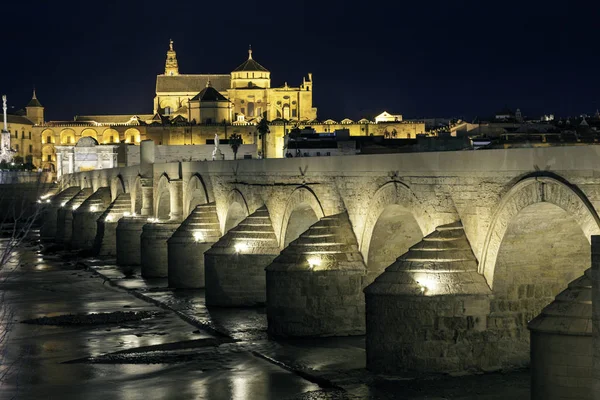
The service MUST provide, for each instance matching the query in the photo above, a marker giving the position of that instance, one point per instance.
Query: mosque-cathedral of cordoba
(191, 109)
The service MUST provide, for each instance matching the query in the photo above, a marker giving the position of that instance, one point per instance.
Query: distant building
(387, 117)
(247, 88)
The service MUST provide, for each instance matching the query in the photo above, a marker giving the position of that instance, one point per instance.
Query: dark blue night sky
(421, 59)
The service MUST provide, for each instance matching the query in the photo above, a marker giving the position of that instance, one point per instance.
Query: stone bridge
(440, 258)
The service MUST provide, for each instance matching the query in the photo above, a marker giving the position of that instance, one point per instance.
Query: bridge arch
(237, 210)
(163, 198)
(527, 193)
(136, 195)
(117, 187)
(392, 225)
(302, 210)
(195, 194)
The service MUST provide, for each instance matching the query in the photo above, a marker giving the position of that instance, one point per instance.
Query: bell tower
(171, 66)
(35, 110)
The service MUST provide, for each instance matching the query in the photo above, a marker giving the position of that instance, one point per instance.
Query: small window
(22, 134)
(112, 139)
(30, 148)
(243, 110)
(17, 147)
(318, 153)
(48, 139)
(408, 135)
(294, 112)
(328, 153)
(250, 84)
(29, 135)
(16, 134)
(132, 139)
(49, 158)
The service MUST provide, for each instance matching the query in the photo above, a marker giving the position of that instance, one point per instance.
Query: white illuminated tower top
(6, 153)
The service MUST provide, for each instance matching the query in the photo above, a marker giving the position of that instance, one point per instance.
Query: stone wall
(487, 190)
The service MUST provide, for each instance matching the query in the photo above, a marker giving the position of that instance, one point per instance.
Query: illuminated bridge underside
(457, 250)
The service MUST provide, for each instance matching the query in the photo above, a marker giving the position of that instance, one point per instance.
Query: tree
(263, 130)
(235, 141)
(18, 214)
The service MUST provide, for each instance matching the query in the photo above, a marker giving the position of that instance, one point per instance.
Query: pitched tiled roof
(17, 119)
(250, 65)
(191, 83)
(209, 93)
(111, 119)
(34, 102)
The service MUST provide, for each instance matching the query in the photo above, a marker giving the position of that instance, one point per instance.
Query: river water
(95, 331)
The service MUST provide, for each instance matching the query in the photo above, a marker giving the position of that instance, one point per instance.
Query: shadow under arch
(302, 210)
(117, 187)
(530, 190)
(393, 224)
(237, 210)
(196, 193)
(162, 200)
(135, 195)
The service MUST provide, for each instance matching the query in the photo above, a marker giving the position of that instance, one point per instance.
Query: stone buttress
(186, 247)
(85, 217)
(64, 224)
(314, 287)
(561, 345)
(128, 233)
(154, 250)
(105, 243)
(428, 311)
(235, 265)
(596, 317)
(49, 225)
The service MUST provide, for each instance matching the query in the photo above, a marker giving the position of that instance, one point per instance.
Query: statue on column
(217, 154)
(6, 153)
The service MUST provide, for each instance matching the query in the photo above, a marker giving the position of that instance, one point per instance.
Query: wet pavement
(104, 332)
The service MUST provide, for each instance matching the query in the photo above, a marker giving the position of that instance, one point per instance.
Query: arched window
(250, 84)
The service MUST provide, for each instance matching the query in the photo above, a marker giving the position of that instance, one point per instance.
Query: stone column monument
(217, 154)
(6, 153)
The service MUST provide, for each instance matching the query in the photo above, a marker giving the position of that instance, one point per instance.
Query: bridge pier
(64, 228)
(561, 345)
(314, 287)
(49, 225)
(105, 243)
(154, 250)
(129, 232)
(85, 217)
(235, 265)
(595, 276)
(428, 311)
(186, 247)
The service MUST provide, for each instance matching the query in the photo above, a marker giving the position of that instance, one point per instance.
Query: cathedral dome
(209, 93)
(250, 75)
(250, 65)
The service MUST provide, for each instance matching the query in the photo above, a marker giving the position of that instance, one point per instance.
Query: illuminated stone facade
(247, 87)
(191, 109)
